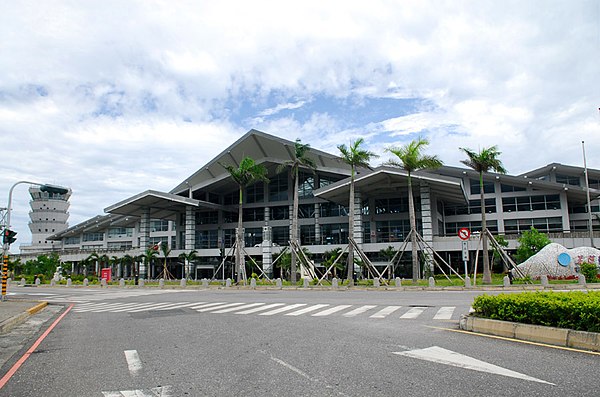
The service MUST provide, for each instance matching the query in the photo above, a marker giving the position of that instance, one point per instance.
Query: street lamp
(9, 235)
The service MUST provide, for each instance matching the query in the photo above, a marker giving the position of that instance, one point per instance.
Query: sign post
(464, 234)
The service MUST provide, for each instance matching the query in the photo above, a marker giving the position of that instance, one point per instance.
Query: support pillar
(427, 222)
(144, 239)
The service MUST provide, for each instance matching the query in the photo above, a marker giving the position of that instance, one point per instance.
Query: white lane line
(359, 310)
(413, 313)
(445, 313)
(133, 361)
(260, 309)
(88, 307)
(386, 311)
(161, 391)
(136, 306)
(332, 310)
(204, 304)
(307, 310)
(282, 309)
(206, 309)
(114, 306)
(233, 309)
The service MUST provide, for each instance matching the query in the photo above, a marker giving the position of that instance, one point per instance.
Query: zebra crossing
(272, 309)
(99, 295)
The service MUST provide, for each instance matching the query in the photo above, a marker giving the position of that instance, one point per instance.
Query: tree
(129, 260)
(247, 173)
(530, 243)
(166, 251)
(355, 157)
(188, 258)
(299, 159)
(95, 258)
(149, 256)
(410, 159)
(329, 257)
(484, 161)
(388, 253)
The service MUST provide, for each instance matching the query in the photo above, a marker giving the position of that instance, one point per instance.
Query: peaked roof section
(385, 180)
(264, 149)
(560, 168)
(97, 223)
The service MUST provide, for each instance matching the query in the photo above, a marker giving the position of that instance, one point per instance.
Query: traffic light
(8, 236)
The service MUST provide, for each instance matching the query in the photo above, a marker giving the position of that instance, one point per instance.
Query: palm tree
(484, 161)
(93, 257)
(166, 251)
(149, 256)
(187, 260)
(355, 157)
(247, 173)
(114, 261)
(411, 159)
(127, 260)
(300, 159)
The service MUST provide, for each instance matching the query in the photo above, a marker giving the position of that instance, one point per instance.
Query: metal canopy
(386, 180)
(161, 205)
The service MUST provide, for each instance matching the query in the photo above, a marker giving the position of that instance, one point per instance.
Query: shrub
(576, 310)
(590, 271)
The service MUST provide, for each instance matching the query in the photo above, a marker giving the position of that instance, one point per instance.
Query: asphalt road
(286, 343)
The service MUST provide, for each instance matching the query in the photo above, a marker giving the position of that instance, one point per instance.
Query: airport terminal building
(200, 213)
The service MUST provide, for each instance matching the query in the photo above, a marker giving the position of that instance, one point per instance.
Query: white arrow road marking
(440, 355)
(133, 361)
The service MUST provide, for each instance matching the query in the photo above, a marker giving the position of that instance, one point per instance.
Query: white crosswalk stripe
(413, 313)
(386, 311)
(272, 309)
(445, 313)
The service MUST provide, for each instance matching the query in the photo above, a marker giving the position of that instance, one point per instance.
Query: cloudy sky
(112, 98)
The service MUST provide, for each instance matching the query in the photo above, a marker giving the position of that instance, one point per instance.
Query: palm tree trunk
(351, 233)
(238, 241)
(413, 232)
(294, 228)
(487, 275)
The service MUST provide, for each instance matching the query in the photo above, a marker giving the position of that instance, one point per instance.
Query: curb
(37, 308)
(532, 333)
(20, 318)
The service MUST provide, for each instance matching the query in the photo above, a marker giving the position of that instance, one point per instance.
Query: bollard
(228, 282)
(581, 279)
(86, 282)
(278, 283)
(183, 283)
(103, 282)
(69, 282)
(305, 283)
(52, 282)
(376, 283)
(205, 283)
(37, 281)
(544, 280)
(506, 281)
(334, 283)
(141, 282)
(23, 281)
(253, 283)
(398, 282)
(122, 282)
(161, 283)
(431, 282)
(468, 282)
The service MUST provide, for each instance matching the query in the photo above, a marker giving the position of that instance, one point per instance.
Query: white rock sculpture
(556, 261)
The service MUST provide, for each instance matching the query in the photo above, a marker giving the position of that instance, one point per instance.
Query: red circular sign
(464, 233)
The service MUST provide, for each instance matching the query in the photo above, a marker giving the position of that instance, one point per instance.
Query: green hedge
(575, 310)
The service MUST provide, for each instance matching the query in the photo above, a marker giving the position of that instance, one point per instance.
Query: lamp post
(8, 235)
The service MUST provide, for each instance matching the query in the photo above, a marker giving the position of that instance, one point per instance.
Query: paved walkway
(15, 311)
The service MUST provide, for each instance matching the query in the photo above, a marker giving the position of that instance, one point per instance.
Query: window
(207, 239)
(306, 211)
(253, 236)
(332, 209)
(336, 233)
(280, 213)
(255, 193)
(594, 183)
(391, 206)
(98, 236)
(121, 245)
(228, 237)
(306, 184)
(71, 240)
(280, 235)
(212, 198)
(307, 235)
(230, 217)
(546, 225)
(509, 188)
(452, 228)
(488, 187)
(116, 232)
(207, 217)
(231, 198)
(531, 203)
(392, 231)
(278, 187)
(326, 180)
(159, 225)
(253, 214)
(568, 180)
(366, 232)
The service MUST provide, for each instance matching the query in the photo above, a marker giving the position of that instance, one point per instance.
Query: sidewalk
(15, 311)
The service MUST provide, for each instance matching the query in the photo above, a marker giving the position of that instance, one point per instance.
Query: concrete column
(317, 223)
(190, 228)
(144, 239)
(427, 221)
(267, 251)
(357, 232)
